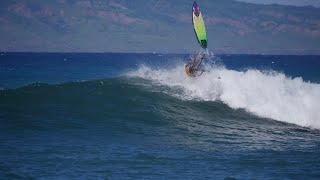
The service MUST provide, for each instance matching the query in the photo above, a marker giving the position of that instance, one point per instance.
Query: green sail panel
(198, 25)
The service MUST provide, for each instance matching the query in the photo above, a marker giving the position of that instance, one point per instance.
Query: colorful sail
(198, 25)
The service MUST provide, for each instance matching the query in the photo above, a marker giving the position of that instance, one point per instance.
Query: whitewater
(138, 116)
(267, 94)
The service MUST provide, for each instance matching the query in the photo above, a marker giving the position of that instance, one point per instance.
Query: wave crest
(266, 94)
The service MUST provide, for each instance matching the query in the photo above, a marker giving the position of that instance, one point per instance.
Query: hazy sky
(315, 3)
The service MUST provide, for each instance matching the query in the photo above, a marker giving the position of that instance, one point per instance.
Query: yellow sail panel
(198, 25)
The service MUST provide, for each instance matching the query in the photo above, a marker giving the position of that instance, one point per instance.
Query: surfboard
(198, 26)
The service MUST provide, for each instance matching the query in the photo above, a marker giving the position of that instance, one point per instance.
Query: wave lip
(266, 94)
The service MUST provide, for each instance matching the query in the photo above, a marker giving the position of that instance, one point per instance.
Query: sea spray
(267, 94)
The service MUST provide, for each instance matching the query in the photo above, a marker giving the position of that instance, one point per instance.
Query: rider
(191, 68)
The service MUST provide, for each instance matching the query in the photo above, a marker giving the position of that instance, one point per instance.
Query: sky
(315, 3)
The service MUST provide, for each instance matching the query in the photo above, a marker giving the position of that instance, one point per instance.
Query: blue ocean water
(137, 116)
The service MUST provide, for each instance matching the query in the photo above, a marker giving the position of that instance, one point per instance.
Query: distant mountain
(156, 25)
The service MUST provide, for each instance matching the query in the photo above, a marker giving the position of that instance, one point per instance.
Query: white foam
(271, 95)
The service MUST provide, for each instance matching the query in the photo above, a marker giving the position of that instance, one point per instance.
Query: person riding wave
(192, 69)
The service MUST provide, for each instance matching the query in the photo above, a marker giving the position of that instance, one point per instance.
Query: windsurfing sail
(198, 25)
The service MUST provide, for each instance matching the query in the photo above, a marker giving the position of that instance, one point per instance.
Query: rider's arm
(199, 63)
(201, 72)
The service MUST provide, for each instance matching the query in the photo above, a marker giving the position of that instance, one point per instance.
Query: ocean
(138, 116)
